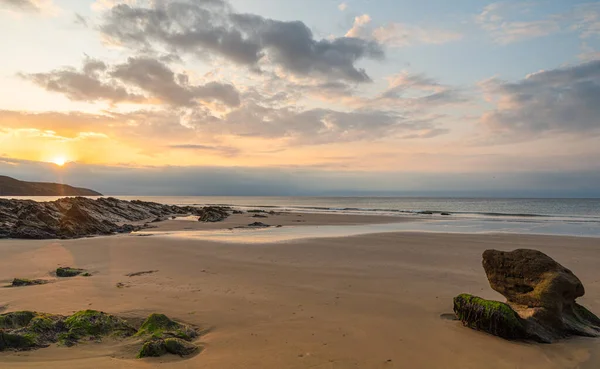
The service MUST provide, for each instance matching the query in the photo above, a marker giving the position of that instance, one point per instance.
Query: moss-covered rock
(92, 323)
(493, 317)
(25, 330)
(172, 345)
(160, 326)
(179, 347)
(66, 272)
(17, 319)
(13, 341)
(22, 282)
(153, 348)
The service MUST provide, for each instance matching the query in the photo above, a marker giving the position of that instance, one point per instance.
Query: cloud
(44, 7)
(160, 81)
(343, 6)
(83, 85)
(563, 100)
(509, 22)
(227, 151)
(211, 28)
(136, 81)
(399, 34)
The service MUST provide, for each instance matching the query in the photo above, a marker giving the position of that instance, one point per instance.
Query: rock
(95, 324)
(154, 348)
(258, 225)
(160, 326)
(22, 282)
(179, 347)
(66, 272)
(493, 317)
(445, 214)
(76, 217)
(238, 212)
(27, 330)
(259, 216)
(160, 347)
(213, 214)
(427, 212)
(539, 290)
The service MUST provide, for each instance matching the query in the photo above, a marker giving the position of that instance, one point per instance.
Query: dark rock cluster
(77, 217)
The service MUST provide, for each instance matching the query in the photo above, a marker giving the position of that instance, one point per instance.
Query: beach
(372, 300)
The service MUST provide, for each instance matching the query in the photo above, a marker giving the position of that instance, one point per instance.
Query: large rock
(542, 292)
(75, 217)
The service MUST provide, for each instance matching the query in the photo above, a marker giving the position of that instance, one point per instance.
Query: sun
(59, 160)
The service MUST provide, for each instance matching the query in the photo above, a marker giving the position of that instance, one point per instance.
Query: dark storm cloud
(21, 5)
(564, 100)
(119, 83)
(210, 27)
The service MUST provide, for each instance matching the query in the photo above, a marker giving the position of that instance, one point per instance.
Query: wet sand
(367, 301)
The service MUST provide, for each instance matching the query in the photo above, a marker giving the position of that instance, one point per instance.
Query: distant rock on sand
(540, 295)
(213, 214)
(77, 217)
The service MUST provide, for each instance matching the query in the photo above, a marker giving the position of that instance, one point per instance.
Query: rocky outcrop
(213, 214)
(539, 291)
(28, 330)
(77, 217)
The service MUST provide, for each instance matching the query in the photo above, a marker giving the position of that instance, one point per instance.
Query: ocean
(577, 209)
(575, 217)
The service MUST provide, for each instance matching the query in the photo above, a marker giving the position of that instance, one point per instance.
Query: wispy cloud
(45, 7)
(399, 34)
(509, 22)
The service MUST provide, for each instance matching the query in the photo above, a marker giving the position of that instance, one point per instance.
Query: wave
(413, 212)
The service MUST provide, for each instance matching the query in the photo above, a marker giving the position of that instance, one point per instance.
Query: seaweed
(493, 317)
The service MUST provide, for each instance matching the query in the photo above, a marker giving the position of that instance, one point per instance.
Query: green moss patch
(92, 323)
(66, 272)
(18, 319)
(16, 341)
(160, 347)
(160, 326)
(155, 348)
(493, 317)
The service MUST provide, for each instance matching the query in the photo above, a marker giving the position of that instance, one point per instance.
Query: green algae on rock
(66, 272)
(160, 326)
(39, 330)
(166, 336)
(160, 347)
(28, 330)
(494, 317)
(92, 323)
(17, 319)
(23, 282)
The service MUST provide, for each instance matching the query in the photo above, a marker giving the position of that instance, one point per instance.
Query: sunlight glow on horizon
(59, 160)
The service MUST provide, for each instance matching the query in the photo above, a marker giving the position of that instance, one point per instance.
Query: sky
(314, 97)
